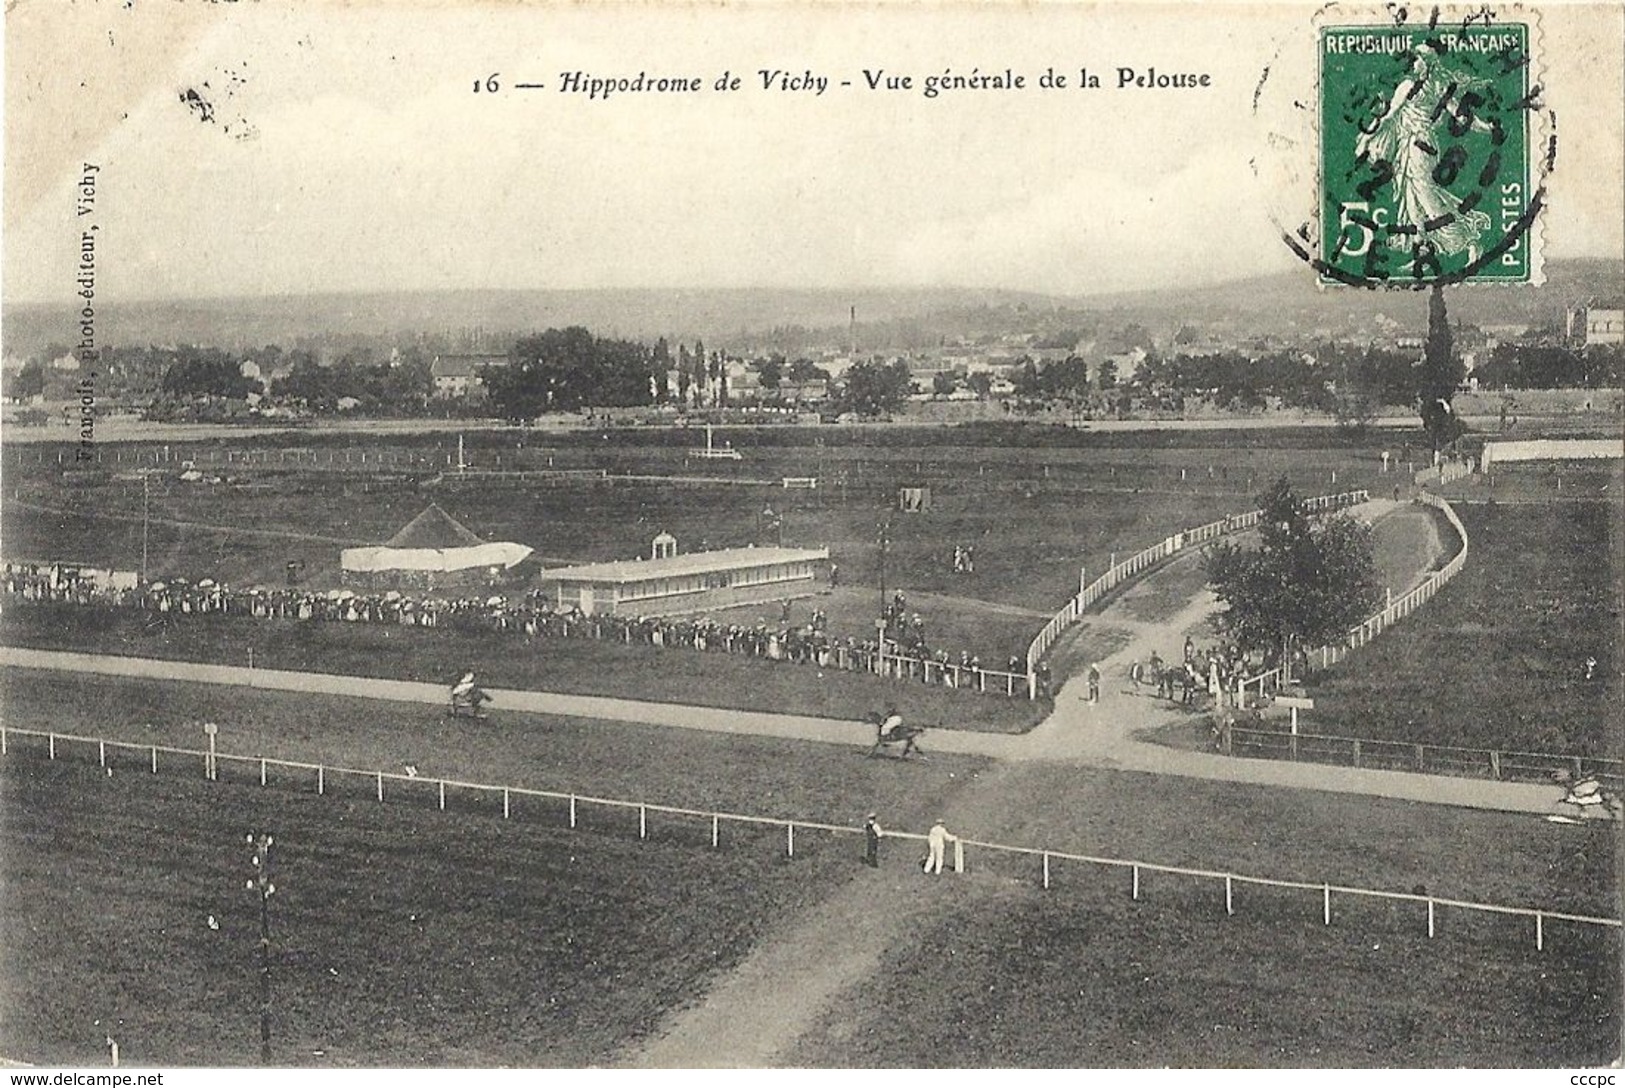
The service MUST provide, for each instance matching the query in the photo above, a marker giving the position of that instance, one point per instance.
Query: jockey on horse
(889, 729)
(467, 697)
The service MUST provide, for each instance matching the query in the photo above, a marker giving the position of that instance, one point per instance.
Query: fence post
(262, 772)
(321, 779)
(154, 759)
(1229, 903)
(790, 840)
(1134, 892)
(572, 811)
(1326, 905)
(1540, 933)
(53, 746)
(101, 751)
(2, 738)
(1356, 751)
(714, 822)
(380, 785)
(504, 802)
(643, 822)
(1046, 869)
(959, 855)
(1430, 917)
(1419, 757)
(1495, 763)
(442, 795)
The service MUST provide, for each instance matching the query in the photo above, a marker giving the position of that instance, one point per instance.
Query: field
(401, 937)
(1497, 660)
(1034, 512)
(1037, 512)
(558, 985)
(1013, 976)
(575, 666)
(407, 935)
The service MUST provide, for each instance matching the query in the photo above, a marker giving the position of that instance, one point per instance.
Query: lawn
(996, 981)
(1497, 659)
(572, 665)
(678, 767)
(401, 936)
(1086, 977)
(1034, 512)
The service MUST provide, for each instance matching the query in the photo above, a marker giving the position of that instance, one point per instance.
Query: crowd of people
(1215, 671)
(531, 616)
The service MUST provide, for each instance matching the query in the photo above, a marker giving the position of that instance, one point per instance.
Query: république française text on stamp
(1425, 150)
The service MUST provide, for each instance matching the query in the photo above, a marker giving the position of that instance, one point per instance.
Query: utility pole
(146, 490)
(262, 884)
(884, 540)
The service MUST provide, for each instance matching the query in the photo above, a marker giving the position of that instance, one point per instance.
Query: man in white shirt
(937, 840)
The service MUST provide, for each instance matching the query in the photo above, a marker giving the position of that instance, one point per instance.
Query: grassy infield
(408, 935)
(395, 943)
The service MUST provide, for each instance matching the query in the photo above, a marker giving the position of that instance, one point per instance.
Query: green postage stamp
(1425, 140)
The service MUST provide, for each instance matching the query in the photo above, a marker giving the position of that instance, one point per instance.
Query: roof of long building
(643, 570)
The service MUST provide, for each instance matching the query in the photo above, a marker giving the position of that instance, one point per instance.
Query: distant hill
(713, 314)
(1286, 304)
(1281, 303)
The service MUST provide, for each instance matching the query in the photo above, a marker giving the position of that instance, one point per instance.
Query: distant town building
(1605, 323)
(459, 375)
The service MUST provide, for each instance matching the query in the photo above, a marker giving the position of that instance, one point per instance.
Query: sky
(347, 149)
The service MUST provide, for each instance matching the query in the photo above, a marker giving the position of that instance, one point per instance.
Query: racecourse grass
(575, 666)
(401, 936)
(1087, 977)
(1497, 659)
(748, 775)
(1272, 955)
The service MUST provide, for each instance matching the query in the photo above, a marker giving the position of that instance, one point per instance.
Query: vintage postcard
(811, 535)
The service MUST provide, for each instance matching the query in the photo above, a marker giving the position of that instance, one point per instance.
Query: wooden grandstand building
(670, 584)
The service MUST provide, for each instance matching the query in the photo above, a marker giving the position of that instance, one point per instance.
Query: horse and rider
(892, 732)
(468, 699)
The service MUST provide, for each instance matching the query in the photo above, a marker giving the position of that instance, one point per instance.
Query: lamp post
(261, 883)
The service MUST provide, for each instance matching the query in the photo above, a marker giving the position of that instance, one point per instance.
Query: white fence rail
(1401, 607)
(1149, 557)
(61, 745)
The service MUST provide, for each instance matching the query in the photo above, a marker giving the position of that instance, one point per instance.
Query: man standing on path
(937, 840)
(1094, 683)
(871, 841)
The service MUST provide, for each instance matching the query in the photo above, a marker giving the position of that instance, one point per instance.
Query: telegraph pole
(146, 490)
(884, 540)
(261, 883)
